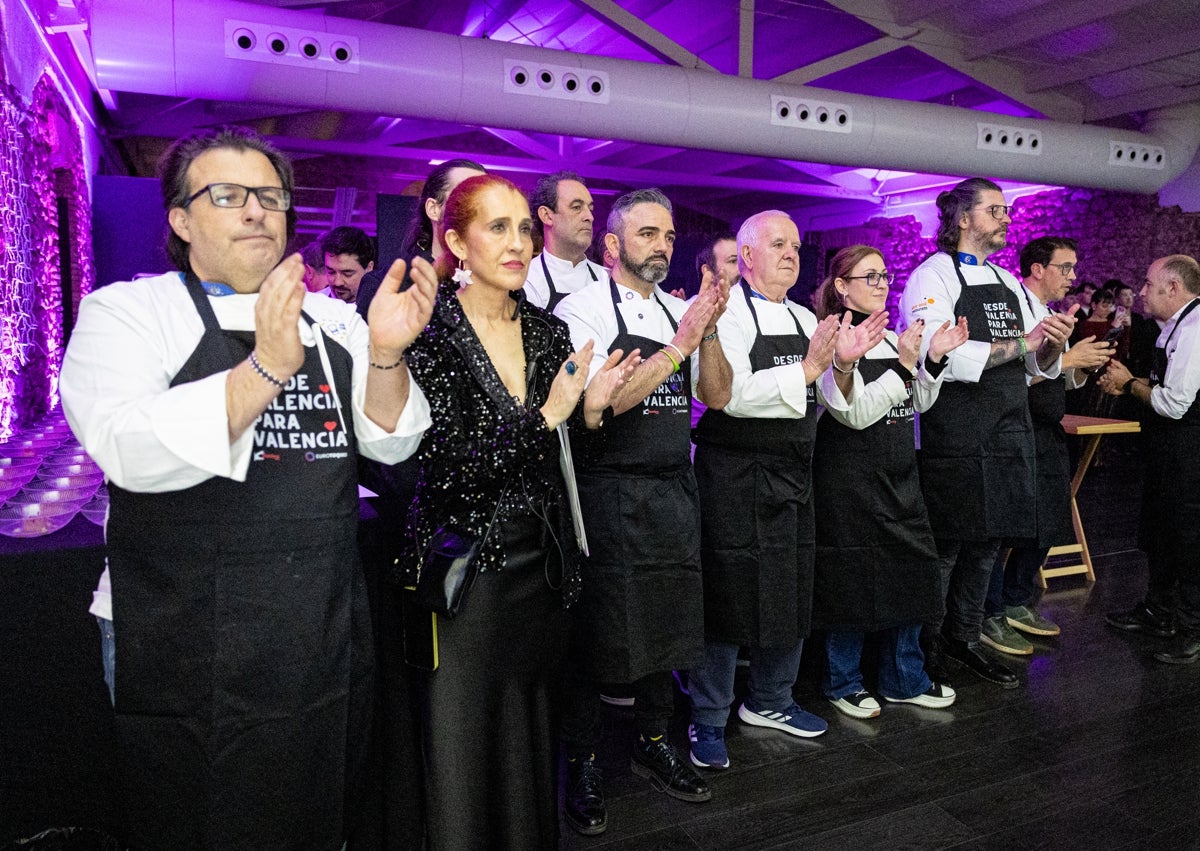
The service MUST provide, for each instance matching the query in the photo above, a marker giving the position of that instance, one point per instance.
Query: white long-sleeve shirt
(590, 315)
(931, 293)
(779, 392)
(133, 337)
(871, 401)
(1178, 390)
(1075, 378)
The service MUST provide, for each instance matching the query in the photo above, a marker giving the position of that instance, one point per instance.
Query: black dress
(488, 712)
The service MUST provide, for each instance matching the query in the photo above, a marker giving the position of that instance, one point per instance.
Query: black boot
(970, 655)
(656, 759)
(584, 807)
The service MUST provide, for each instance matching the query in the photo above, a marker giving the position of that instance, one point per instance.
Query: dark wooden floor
(1098, 749)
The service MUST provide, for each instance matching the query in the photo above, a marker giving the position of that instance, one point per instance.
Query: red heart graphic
(324, 388)
(330, 426)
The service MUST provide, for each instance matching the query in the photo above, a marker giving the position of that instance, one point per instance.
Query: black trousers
(654, 703)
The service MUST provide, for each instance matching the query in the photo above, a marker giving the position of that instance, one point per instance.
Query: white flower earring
(462, 275)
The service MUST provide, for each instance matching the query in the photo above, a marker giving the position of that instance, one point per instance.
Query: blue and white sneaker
(793, 720)
(708, 746)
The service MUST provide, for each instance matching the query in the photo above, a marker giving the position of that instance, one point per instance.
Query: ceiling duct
(243, 52)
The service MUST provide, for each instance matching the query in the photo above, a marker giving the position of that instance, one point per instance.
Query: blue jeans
(108, 654)
(901, 663)
(772, 675)
(1012, 581)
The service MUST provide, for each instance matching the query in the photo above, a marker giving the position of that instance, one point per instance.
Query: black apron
(1047, 407)
(756, 541)
(555, 295)
(1170, 518)
(977, 448)
(242, 696)
(876, 559)
(641, 610)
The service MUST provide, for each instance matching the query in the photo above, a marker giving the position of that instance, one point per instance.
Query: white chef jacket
(931, 293)
(133, 337)
(568, 277)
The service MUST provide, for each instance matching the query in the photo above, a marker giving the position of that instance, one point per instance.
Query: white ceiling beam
(836, 175)
(643, 33)
(840, 61)
(908, 12)
(1144, 100)
(495, 14)
(915, 183)
(875, 13)
(746, 39)
(947, 49)
(590, 150)
(1114, 59)
(523, 142)
(1048, 20)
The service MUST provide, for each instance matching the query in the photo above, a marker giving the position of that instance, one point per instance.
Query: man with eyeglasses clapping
(977, 456)
(226, 406)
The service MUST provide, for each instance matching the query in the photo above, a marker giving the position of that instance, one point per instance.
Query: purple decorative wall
(40, 162)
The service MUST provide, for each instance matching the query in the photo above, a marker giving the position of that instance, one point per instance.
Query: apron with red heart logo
(243, 639)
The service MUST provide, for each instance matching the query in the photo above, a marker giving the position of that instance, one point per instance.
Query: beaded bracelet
(381, 366)
(849, 371)
(709, 338)
(258, 367)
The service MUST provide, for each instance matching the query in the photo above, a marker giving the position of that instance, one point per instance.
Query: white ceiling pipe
(178, 47)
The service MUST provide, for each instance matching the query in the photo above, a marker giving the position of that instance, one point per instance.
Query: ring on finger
(570, 367)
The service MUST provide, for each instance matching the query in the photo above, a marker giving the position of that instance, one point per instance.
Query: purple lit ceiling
(1095, 61)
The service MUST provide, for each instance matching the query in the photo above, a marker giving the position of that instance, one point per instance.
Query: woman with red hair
(500, 377)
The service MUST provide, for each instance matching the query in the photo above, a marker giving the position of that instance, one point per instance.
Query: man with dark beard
(641, 612)
(977, 457)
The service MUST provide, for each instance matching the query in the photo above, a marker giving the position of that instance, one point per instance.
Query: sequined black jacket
(482, 441)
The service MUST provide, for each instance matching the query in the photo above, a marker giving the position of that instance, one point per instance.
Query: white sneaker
(858, 705)
(937, 696)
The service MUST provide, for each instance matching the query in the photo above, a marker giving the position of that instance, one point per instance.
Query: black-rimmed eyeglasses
(231, 196)
(873, 279)
(1065, 269)
(999, 211)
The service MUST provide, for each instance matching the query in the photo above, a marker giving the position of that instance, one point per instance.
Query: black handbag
(450, 566)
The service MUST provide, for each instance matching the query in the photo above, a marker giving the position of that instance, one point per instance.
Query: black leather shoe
(968, 654)
(1142, 618)
(1184, 650)
(658, 762)
(584, 806)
